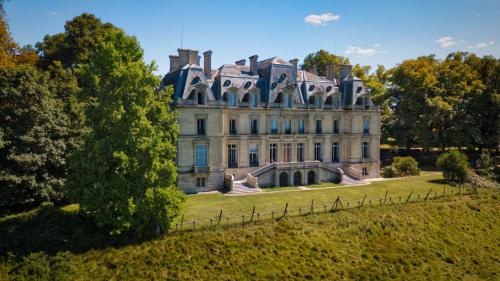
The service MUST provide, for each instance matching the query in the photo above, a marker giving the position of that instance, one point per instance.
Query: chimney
(345, 71)
(241, 62)
(253, 63)
(174, 63)
(183, 57)
(294, 62)
(330, 71)
(193, 57)
(207, 64)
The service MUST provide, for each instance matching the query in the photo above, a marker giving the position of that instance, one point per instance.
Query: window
(335, 126)
(366, 125)
(254, 126)
(335, 152)
(366, 150)
(200, 126)
(200, 182)
(302, 126)
(318, 127)
(273, 152)
(201, 155)
(287, 152)
(366, 102)
(253, 152)
(288, 126)
(254, 101)
(274, 126)
(336, 102)
(288, 101)
(317, 151)
(231, 156)
(201, 98)
(232, 99)
(232, 126)
(317, 102)
(365, 171)
(300, 152)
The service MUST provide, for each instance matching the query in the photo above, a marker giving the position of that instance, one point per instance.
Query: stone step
(240, 187)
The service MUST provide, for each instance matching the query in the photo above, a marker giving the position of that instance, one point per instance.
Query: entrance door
(283, 179)
(297, 178)
(311, 177)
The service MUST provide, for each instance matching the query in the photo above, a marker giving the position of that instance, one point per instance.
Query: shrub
(406, 166)
(454, 165)
(389, 172)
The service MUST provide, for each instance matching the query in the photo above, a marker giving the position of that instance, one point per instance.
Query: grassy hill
(452, 238)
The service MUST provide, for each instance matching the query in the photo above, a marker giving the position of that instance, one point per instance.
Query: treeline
(83, 121)
(429, 103)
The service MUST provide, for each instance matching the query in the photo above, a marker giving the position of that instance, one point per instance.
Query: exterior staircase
(348, 180)
(240, 187)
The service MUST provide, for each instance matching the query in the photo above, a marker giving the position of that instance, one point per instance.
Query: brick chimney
(330, 71)
(174, 63)
(295, 62)
(183, 57)
(240, 62)
(253, 63)
(345, 71)
(193, 57)
(207, 64)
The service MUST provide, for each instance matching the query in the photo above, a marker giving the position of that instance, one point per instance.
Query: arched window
(288, 101)
(201, 99)
(232, 99)
(336, 102)
(317, 102)
(254, 100)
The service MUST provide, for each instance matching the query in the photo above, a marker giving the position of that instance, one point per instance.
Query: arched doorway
(283, 179)
(297, 178)
(311, 177)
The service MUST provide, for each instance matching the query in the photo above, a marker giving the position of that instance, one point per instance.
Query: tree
(412, 83)
(33, 139)
(454, 165)
(76, 44)
(406, 166)
(10, 52)
(124, 175)
(320, 60)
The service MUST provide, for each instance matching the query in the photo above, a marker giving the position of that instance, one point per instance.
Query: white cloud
(377, 45)
(53, 13)
(322, 19)
(384, 52)
(446, 41)
(480, 45)
(362, 52)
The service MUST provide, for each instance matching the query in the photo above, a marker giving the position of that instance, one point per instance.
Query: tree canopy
(318, 61)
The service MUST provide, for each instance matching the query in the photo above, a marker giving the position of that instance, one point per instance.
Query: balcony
(201, 169)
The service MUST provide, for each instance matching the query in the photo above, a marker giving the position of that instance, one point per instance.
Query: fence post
(242, 220)
(312, 206)
(210, 222)
(385, 197)
(194, 225)
(220, 216)
(286, 209)
(258, 216)
(407, 199)
(363, 201)
(334, 206)
(427, 195)
(253, 212)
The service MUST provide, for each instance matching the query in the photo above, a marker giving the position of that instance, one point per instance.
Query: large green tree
(320, 60)
(34, 138)
(124, 175)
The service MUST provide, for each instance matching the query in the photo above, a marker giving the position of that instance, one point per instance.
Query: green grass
(324, 184)
(280, 188)
(455, 238)
(203, 206)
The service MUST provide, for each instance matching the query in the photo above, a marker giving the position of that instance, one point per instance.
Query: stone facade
(270, 124)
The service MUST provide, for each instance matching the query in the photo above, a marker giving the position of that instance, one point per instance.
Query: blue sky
(368, 32)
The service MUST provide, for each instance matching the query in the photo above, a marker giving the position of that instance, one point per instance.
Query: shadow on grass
(50, 230)
(440, 181)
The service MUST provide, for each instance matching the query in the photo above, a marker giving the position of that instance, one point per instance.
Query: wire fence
(223, 220)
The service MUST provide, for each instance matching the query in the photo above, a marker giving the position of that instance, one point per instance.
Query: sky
(367, 32)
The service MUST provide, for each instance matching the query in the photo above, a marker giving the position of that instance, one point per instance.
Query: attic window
(195, 80)
(311, 88)
(283, 76)
(328, 89)
(227, 83)
(247, 85)
(358, 90)
(273, 85)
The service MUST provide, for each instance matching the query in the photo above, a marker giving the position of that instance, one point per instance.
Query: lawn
(203, 206)
(451, 238)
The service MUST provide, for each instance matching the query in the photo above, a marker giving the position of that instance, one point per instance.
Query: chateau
(270, 124)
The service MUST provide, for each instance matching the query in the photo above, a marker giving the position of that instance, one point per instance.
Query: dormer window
(247, 85)
(232, 99)
(328, 89)
(227, 83)
(195, 80)
(359, 89)
(336, 102)
(288, 101)
(201, 98)
(254, 100)
(311, 88)
(317, 102)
